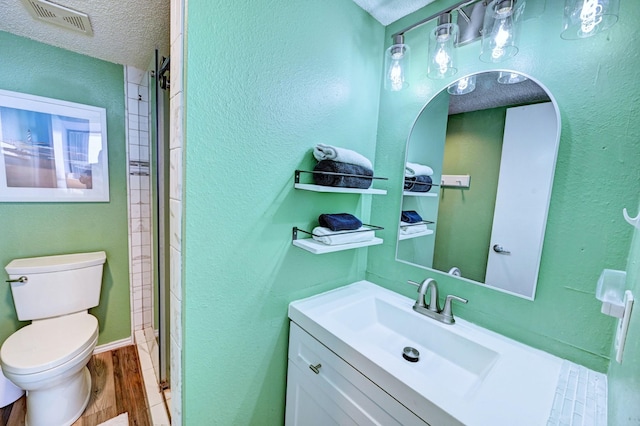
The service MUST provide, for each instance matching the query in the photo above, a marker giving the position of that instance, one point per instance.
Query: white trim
(113, 345)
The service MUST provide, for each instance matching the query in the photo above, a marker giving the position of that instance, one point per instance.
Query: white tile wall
(175, 206)
(139, 171)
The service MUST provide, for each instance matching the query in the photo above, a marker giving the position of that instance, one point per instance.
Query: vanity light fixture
(463, 86)
(442, 41)
(396, 64)
(506, 77)
(500, 30)
(585, 18)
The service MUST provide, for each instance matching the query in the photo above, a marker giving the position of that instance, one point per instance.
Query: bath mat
(121, 420)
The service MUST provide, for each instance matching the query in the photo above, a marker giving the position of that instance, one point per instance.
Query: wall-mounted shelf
(336, 189)
(317, 247)
(339, 190)
(419, 194)
(402, 237)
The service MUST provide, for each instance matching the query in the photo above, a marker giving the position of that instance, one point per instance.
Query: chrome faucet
(432, 310)
(428, 285)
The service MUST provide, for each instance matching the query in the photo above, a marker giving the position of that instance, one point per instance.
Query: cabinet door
(309, 406)
(337, 394)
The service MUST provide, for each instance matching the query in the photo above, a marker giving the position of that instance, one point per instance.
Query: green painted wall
(40, 229)
(597, 175)
(624, 378)
(426, 146)
(465, 216)
(265, 82)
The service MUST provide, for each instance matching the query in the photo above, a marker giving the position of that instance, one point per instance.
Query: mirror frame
(530, 297)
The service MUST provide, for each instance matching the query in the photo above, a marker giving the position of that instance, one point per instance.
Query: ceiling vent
(59, 15)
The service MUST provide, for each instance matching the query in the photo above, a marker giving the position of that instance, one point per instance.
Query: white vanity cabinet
(323, 389)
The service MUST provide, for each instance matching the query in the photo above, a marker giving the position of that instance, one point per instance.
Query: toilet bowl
(48, 358)
(9, 392)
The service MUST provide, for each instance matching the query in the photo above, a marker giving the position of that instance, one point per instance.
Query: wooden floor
(116, 388)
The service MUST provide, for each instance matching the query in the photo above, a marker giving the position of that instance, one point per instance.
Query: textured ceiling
(388, 11)
(124, 32)
(490, 94)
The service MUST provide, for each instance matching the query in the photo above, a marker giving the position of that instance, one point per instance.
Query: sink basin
(446, 359)
(465, 375)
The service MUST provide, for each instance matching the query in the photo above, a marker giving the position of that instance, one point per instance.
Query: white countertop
(503, 383)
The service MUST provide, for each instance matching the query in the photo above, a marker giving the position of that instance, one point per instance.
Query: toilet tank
(56, 285)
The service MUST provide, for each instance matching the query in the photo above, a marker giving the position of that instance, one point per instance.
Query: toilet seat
(47, 344)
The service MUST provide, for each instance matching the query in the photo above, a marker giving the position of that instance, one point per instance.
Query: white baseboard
(113, 345)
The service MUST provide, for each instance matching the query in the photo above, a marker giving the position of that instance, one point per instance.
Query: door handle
(315, 368)
(500, 250)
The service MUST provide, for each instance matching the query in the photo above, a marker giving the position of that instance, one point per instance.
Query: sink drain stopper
(411, 354)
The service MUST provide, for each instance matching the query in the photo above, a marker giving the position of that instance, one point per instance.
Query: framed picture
(52, 150)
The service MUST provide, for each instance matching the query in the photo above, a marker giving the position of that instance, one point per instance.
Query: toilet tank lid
(44, 264)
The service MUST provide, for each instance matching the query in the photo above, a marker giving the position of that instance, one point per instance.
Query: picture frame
(52, 150)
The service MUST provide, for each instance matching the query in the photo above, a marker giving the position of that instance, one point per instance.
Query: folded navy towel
(408, 183)
(339, 221)
(420, 183)
(342, 181)
(410, 216)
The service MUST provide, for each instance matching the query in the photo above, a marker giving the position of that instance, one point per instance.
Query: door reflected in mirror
(490, 155)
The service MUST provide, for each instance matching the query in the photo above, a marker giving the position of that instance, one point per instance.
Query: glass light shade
(463, 86)
(584, 18)
(506, 77)
(500, 30)
(441, 51)
(396, 64)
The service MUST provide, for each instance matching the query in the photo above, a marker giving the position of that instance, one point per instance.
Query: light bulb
(506, 77)
(443, 60)
(396, 65)
(441, 51)
(499, 31)
(500, 41)
(585, 18)
(591, 16)
(463, 86)
(396, 76)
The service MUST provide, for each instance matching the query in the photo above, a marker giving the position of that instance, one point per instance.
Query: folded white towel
(415, 169)
(342, 155)
(407, 228)
(332, 238)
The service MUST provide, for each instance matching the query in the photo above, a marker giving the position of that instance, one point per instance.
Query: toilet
(9, 392)
(48, 358)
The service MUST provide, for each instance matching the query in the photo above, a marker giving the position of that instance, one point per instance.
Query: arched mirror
(488, 146)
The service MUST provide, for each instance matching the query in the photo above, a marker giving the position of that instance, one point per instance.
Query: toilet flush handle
(22, 279)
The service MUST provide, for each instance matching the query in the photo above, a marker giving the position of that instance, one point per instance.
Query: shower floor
(148, 350)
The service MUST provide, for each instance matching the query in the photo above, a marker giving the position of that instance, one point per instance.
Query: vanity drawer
(323, 389)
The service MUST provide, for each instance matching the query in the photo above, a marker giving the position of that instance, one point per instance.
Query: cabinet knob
(315, 368)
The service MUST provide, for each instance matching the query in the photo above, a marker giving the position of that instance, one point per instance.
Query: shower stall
(161, 216)
(147, 95)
